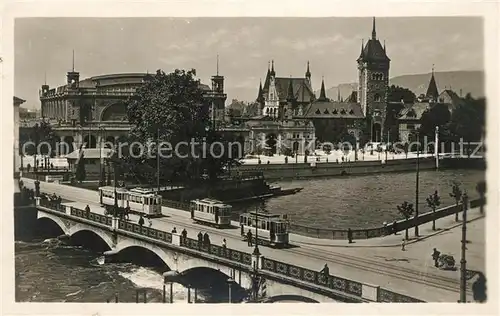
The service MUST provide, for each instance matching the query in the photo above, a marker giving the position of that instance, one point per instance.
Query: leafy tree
(468, 120)
(172, 109)
(481, 189)
(397, 93)
(433, 201)
(406, 209)
(456, 193)
(251, 109)
(437, 115)
(41, 132)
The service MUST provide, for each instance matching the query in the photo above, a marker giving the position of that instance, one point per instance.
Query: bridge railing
(145, 231)
(54, 205)
(91, 216)
(218, 251)
(386, 296)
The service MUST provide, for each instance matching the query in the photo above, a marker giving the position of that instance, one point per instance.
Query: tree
(406, 209)
(481, 189)
(437, 115)
(456, 193)
(172, 109)
(433, 201)
(41, 132)
(397, 93)
(468, 120)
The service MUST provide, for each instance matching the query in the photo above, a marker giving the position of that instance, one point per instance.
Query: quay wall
(312, 169)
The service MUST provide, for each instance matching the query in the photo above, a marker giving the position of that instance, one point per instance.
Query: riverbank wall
(333, 169)
(397, 226)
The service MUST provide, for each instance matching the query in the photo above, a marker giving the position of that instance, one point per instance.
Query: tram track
(363, 264)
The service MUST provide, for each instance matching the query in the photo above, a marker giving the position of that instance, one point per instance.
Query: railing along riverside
(291, 271)
(323, 233)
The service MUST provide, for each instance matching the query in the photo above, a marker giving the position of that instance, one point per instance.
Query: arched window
(326, 111)
(335, 111)
(342, 111)
(377, 98)
(351, 112)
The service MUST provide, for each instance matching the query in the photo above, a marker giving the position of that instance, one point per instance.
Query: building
(17, 158)
(93, 110)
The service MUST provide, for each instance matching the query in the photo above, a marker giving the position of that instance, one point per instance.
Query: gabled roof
(334, 109)
(413, 111)
(301, 88)
(455, 99)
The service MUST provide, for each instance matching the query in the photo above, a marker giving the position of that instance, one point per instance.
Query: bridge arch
(126, 248)
(81, 228)
(54, 219)
(290, 297)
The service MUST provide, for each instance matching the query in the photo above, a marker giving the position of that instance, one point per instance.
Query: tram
(270, 229)
(212, 212)
(139, 200)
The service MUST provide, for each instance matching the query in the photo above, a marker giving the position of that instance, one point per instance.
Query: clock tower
(373, 75)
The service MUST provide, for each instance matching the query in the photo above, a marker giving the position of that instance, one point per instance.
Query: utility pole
(463, 262)
(416, 182)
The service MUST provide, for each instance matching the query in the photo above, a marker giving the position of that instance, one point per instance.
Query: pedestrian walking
(435, 257)
(349, 235)
(325, 270)
(141, 220)
(206, 239)
(150, 222)
(184, 233)
(403, 244)
(87, 208)
(200, 238)
(249, 238)
(224, 243)
(174, 231)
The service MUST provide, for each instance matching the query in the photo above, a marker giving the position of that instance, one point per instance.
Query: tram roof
(270, 216)
(213, 202)
(111, 188)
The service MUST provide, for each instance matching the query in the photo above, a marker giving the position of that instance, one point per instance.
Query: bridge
(292, 272)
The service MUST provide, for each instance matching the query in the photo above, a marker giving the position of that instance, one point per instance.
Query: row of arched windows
(377, 76)
(335, 111)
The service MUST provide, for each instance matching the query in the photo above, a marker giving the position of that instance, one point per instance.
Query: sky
(43, 48)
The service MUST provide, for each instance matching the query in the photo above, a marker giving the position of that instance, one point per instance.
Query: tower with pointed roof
(308, 74)
(260, 99)
(218, 97)
(432, 90)
(322, 94)
(272, 102)
(290, 102)
(373, 76)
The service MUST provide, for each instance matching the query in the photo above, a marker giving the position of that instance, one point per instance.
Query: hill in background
(469, 81)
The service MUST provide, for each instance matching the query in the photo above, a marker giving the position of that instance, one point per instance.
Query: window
(351, 112)
(318, 111)
(342, 111)
(326, 111)
(335, 111)
(377, 98)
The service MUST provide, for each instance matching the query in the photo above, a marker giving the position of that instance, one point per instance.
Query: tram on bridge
(211, 212)
(266, 228)
(139, 200)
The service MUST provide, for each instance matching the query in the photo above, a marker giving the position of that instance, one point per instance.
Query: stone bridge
(278, 280)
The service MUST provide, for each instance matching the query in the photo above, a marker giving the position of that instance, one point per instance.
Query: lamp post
(230, 282)
(416, 183)
(170, 277)
(463, 262)
(436, 146)
(101, 160)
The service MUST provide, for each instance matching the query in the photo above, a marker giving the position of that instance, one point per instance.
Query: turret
(308, 73)
(432, 90)
(73, 77)
(290, 101)
(273, 73)
(322, 94)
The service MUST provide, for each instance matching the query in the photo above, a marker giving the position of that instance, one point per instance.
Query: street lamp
(230, 282)
(416, 184)
(101, 161)
(170, 277)
(436, 146)
(463, 262)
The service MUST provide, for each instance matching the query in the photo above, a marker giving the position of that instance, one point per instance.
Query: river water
(48, 270)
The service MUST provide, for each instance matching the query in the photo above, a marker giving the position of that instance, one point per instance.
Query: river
(48, 270)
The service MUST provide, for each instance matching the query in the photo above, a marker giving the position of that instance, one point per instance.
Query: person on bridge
(325, 270)
(174, 231)
(249, 238)
(87, 208)
(349, 235)
(184, 234)
(224, 243)
(141, 220)
(206, 239)
(403, 244)
(200, 238)
(435, 256)
(127, 211)
(150, 222)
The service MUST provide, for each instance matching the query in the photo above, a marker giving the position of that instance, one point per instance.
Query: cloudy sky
(245, 45)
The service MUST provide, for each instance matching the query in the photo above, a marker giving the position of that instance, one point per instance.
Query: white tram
(211, 211)
(268, 228)
(139, 200)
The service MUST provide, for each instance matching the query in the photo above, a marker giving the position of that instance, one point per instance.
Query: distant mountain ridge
(469, 81)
